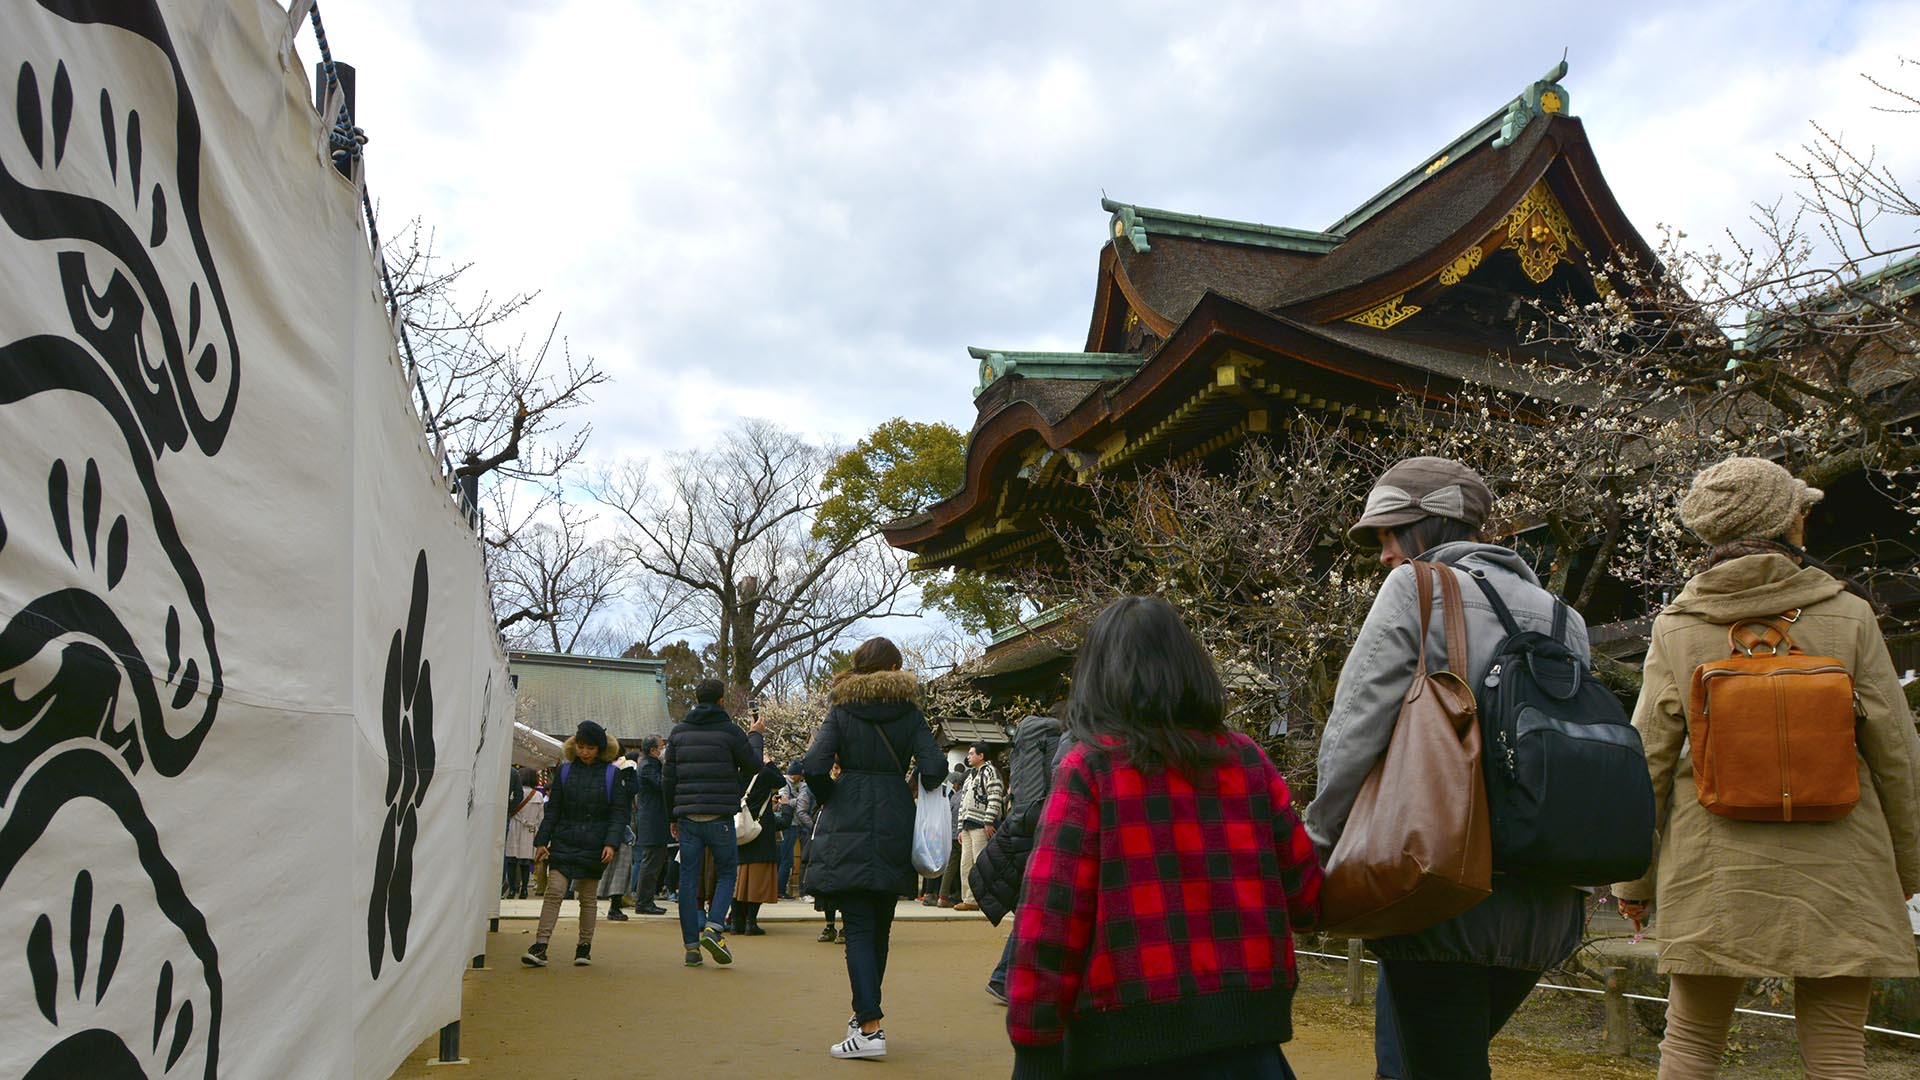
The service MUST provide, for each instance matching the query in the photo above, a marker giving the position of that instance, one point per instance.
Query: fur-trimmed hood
(569, 752)
(875, 687)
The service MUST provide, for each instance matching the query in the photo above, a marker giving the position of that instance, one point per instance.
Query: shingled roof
(558, 690)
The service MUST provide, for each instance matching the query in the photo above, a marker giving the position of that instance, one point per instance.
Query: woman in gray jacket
(1455, 984)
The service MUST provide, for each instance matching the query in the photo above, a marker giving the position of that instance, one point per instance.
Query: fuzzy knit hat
(1745, 498)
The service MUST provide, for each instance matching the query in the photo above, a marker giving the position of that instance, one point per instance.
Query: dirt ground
(785, 999)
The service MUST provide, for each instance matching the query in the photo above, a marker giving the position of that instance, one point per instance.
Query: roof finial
(1545, 97)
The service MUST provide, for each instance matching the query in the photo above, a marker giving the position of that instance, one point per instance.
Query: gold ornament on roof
(1465, 263)
(1132, 320)
(1392, 313)
(1550, 102)
(1439, 163)
(1539, 231)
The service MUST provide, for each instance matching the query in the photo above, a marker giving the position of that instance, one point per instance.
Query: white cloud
(807, 212)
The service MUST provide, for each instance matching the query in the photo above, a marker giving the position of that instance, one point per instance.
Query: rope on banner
(1638, 997)
(346, 143)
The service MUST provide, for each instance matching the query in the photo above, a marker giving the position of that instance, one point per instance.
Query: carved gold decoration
(1540, 233)
(1392, 313)
(1456, 271)
(1439, 163)
(1132, 320)
(1550, 102)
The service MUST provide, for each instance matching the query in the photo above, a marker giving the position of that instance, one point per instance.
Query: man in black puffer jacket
(707, 767)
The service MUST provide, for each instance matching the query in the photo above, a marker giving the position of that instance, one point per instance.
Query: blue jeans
(1386, 1033)
(784, 873)
(868, 921)
(698, 839)
(999, 976)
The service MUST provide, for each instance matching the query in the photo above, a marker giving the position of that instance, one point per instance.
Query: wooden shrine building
(1205, 331)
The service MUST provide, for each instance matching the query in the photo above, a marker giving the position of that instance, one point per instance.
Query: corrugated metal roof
(556, 691)
(958, 732)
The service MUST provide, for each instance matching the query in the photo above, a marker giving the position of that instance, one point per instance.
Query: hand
(674, 830)
(540, 852)
(759, 726)
(1636, 913)
(606, 855)
(989, 832)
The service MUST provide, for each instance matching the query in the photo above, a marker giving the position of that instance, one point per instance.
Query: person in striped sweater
(1154, 936)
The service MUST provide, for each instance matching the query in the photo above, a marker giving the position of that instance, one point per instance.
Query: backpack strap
(612, 771)
(1560, 621)
(565, 767)
(1500, 608)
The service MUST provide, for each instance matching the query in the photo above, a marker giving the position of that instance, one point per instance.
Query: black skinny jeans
(1445, 1014)
(866, 920)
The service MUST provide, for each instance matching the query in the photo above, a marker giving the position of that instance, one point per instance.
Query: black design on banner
(486, 710)
(119, 963)
(112, 668)
(406, 715)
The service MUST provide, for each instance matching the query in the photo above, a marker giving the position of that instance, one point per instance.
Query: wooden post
(1356, 972)
(1619, 1019)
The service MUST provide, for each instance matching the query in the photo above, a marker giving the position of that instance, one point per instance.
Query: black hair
(1144, 679)
(710, 691)
(529, 776)
(1416, 538)
(648, 744)
(981, 749)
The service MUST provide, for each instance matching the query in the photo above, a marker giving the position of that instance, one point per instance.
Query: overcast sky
(807, 212)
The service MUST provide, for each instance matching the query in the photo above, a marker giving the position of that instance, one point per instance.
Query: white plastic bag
(932, 831)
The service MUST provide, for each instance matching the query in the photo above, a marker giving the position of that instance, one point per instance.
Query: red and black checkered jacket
(1156, 918)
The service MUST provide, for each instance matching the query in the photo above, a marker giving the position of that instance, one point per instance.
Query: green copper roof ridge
(1485, 131)
(979, 353)
(1200, 226)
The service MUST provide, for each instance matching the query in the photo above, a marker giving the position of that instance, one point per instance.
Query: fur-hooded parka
(863, 834)
(585, 812)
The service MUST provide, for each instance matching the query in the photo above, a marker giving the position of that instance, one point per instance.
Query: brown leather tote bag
(1418, 847)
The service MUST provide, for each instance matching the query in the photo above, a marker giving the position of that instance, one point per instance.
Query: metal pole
(480, 962)
(450, 1042)
(347, 80)
(493, 925)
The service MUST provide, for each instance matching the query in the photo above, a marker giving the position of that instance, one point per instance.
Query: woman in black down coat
(585, 822)
(863, 839)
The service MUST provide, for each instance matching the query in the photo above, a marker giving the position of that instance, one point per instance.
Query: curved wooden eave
(1217, 322)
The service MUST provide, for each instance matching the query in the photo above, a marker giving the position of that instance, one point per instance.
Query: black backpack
(1567, 782)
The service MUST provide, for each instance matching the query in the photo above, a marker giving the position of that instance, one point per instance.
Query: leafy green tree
(686, 666)
(899, 468)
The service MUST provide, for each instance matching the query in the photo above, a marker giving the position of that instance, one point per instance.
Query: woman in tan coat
(1822, 902)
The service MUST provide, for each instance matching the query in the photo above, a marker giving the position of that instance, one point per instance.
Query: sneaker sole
(720, 955)
(531, 962)
(578, 962)
(856, 1055)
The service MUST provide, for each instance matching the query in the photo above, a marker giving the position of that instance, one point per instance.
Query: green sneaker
(715, 942)
(693, 958)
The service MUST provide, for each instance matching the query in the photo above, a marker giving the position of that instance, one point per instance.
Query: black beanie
(590, 732)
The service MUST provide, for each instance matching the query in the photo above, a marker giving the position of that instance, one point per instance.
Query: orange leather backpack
(1773, 729)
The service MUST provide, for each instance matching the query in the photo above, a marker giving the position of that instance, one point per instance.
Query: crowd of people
(1155, 869)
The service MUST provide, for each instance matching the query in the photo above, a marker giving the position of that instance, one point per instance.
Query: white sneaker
(858, 1045)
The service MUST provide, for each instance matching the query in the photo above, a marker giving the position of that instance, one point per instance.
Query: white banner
(254, 719)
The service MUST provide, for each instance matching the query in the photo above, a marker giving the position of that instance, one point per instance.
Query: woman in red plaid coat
(1154, 935)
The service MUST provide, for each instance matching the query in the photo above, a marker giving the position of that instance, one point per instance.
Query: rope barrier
(1636, 997)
